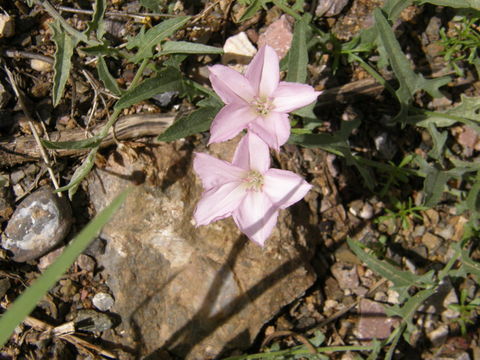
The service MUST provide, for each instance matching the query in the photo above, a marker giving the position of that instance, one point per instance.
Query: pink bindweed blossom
(246, 189)
(257, 101)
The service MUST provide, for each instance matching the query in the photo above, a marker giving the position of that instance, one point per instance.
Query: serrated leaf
(193, 123)
(80, 174)
(97, 23)
(397, 276)
(72, 145)
(107, 78)
(185, 47)
(298, 53)
(465, 112)
(434, 185)
(27, 301)
(62, 60)
(146, 41)
(439, 139)
(407, 311)
(475, 4)
(167, 80)
(409, 81)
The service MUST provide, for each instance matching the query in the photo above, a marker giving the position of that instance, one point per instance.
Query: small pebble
(40, 222)
(103, 301)
(7, 26)
(91, 320)
(346, 275)
(330, 7)
(431, 241)
(438, 335)
(40, 65)
(446, 232)
(278, 35)
(86, 263)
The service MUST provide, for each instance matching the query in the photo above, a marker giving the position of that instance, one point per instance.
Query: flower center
(253, 181)
(262, 105)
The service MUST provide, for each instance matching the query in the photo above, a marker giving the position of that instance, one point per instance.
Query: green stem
(68, 28)
(374, 74)
(286, 9)
(138, 75)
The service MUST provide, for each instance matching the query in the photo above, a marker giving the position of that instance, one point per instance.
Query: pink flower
(247, 189)
(258, 101)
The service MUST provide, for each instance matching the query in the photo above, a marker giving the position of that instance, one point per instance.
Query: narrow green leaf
(185, 47)
(197, 121)
(97, 23)
(393, 8)
(434, 185)
(167, 80)
(73, 145)
(80, 173)
(252, 10)
(27, 301)
(102, 49)
(397, 276)
(146, 41)
(107, 78)
(298, 53)
(465, 4)
(439, 139)
(410, 82)
(63, 60)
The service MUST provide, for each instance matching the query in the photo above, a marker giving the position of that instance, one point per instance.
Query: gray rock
(330, 7)
(93, 321)
(194, 291)
(164, 99)
(39, 223)
(103, 301)
(85, 262)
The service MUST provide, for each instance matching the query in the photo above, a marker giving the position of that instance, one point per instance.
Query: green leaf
(26, 302)
(410, 82)
(152, 5)
(439, 139)
(107, 78)
(185, 47)
(434, 185)
(146, 41)
(252, 10)
(402, 280)
(103, 49)
(475, 4)
(195, 122)
(393, 8)
(97, 23)
(167, 80)
(80, 174)
(72, 145)
(298, 53)
(63, 60)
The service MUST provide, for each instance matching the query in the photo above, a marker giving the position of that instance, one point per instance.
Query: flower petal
(273, 129)
(215, 172)
(284, 188)
(230, 85)
(292, 96)
(252, 153)
(219, 202)
(230, 120)
(263, 72)
(256, 216)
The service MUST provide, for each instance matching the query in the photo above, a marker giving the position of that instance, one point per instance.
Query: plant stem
(139, 73)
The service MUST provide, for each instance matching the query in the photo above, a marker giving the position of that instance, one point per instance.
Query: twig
(28, 55)
(140, 16)
(64, 332)
(21, 101)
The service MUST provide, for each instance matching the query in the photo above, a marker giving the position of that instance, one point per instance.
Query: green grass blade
(298, 54)
(27, 301)
(73, 145)
(185, 47)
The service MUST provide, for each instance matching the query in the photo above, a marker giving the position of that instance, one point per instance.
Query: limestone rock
(196, 292)
(40, 222)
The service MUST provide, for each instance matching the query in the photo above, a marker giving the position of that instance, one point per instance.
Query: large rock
(194, 291)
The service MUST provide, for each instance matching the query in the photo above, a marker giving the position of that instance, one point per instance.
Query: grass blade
(298, 54)
(27, 301)
(185, 47)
